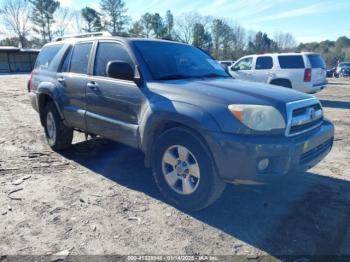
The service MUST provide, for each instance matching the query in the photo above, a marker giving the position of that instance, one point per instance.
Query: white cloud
(317, 8)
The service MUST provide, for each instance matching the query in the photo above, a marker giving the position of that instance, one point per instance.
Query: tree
(92, 19)
(64, 19)
(223, 39)
(158, 27)
(198, 35)
(115, 12)
(42, 17)
(285, 41)
(169, 25)
(185, 26)
(16, 19)
(147, 24)
(137, 30)
(262, 44)
(201, 37)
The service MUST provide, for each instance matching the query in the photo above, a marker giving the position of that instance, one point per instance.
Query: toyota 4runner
(198, 127)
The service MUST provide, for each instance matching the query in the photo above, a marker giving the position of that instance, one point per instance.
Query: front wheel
(58, 135)
(184, 170)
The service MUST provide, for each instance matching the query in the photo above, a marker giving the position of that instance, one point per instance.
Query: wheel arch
(46, 95)
(158, 120)
(281, 79)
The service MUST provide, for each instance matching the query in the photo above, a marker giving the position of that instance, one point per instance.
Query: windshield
(344, 64)
(168, 61)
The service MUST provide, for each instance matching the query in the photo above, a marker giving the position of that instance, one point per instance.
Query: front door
(243, 69)
(113, 105)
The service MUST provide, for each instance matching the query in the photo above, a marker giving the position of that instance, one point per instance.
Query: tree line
(32, 23)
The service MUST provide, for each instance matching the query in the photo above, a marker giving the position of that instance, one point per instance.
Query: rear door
(73, 78)
(243, 69)
(318, 69)
(113, 105)
(263, 68)
(292, 67)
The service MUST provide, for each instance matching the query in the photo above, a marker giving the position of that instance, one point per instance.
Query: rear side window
(291, 62)
(317, 61)
(46, 56)
(80, 58)
(107, 52)
(263, 62)
(65, 64)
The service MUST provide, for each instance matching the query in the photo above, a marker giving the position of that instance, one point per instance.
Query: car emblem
(312, 113)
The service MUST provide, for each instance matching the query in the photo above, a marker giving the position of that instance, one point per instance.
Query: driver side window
(106, 52)
(244, 64)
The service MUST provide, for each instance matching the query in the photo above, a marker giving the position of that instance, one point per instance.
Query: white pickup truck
(305, 72)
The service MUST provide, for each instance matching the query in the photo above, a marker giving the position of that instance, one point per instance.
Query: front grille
(301, 128)
(302, 111)
(315, 152)
(303, 116)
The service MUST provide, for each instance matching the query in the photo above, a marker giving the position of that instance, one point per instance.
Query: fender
(162, 112)
(49, 89)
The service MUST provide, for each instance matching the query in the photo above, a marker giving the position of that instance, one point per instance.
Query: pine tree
(42, 17)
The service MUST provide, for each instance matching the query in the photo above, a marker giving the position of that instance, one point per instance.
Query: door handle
(61, 80)
(93, 86)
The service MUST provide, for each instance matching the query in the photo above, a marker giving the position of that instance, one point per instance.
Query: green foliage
(261, 44)
(201, 38)
(115, 15)
(92, 18)
(332, 51)
(153, 25)
(42, 17)
(137, 30)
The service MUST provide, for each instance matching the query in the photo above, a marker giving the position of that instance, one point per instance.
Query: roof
(9, 48)
(289, 53)
(16, 49)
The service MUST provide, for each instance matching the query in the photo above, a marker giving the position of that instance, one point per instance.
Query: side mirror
(120, 70)
(234, 68)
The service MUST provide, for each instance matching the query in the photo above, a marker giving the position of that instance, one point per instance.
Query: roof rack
(83, 35)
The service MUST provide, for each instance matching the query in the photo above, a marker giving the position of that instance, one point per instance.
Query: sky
(306, 20)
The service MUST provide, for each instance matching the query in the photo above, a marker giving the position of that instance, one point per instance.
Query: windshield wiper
(174, 77)
(214, 75)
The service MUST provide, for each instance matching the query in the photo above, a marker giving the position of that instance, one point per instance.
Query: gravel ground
(97, 198)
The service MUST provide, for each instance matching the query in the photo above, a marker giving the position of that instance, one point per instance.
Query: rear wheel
(58, 135)
(184, 170)
(282, 82)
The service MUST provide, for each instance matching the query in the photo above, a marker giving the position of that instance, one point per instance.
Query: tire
(203, 188)
(282, 82)
(58, 135)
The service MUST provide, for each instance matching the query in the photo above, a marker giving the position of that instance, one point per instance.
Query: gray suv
(198, 127)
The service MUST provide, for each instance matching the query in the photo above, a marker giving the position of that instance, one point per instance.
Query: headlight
(258, 117)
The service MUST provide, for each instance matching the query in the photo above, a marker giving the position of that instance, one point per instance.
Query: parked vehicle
(197, 127)
(340, 67)
(330, 72)
(305, 72)
(345, 72)
(227, 64)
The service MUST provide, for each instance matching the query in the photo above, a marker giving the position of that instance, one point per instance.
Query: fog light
(263, 164)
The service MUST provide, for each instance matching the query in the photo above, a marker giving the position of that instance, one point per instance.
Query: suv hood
(203, 92)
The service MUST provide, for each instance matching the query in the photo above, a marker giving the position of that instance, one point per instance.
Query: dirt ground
(97, 198)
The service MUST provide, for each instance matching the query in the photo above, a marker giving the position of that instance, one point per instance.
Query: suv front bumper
(237, 156)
